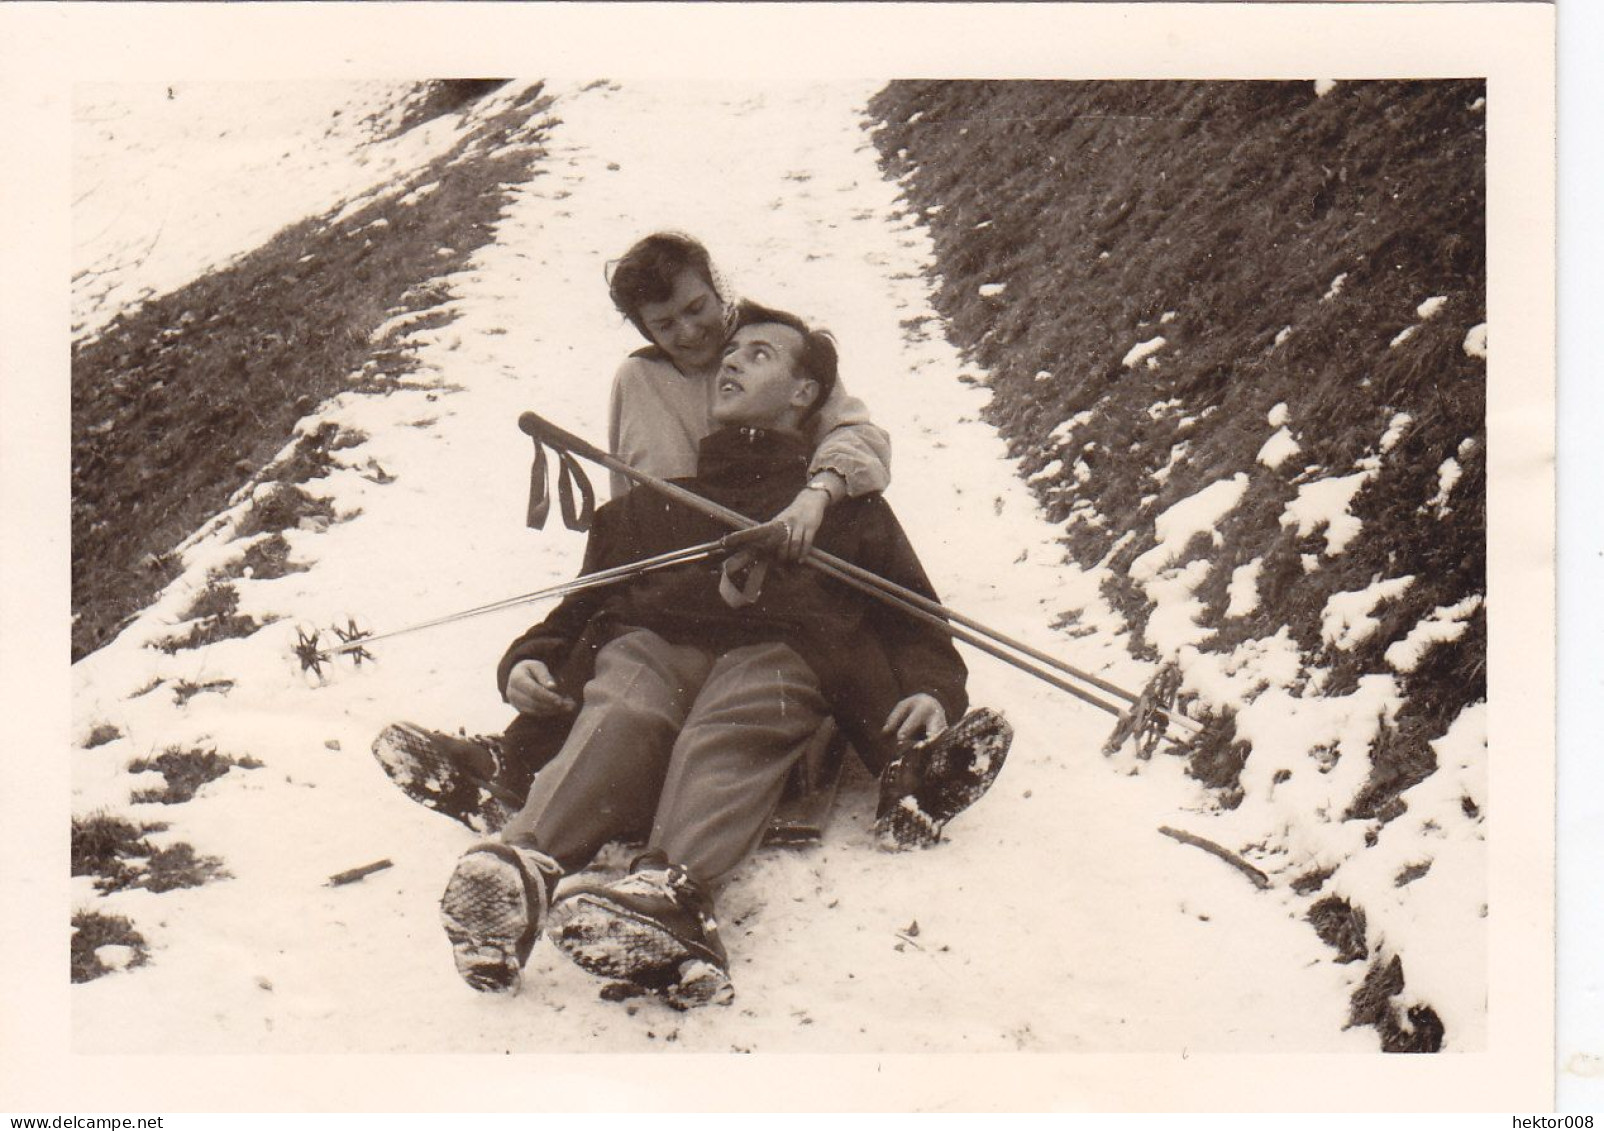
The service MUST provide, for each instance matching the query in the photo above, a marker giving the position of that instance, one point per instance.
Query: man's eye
(697, 307)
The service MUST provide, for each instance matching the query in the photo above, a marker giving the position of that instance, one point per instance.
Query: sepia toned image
(817, 562)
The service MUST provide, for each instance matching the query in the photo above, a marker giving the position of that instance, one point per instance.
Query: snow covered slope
(1056, 919)
(1237, 336)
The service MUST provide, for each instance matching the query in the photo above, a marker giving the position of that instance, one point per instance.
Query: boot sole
(961, 764)
(435, 781)
(700, 983)
(610, 941)
(490, 918)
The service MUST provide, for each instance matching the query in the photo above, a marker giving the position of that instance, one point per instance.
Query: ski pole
(597, 580)
(932, 612)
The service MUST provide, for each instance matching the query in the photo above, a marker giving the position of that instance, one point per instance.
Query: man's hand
(532, 691)
(801, 521)
(919, 716)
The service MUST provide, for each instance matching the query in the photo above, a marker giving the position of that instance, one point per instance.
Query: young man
(660, 406)
(697, 701)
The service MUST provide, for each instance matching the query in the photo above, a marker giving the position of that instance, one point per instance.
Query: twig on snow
(354, 874)
(1260, 880)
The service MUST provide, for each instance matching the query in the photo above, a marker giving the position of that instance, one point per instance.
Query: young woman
(667, 288)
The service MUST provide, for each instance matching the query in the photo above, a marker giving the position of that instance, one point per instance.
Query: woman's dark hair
(818, 359)
(648, 270)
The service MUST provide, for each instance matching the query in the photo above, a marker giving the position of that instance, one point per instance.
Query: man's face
(689, 324)
(759, 382)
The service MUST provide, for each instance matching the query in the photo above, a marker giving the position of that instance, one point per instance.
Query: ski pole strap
(570, 477)
(573, 475)
(740, 579)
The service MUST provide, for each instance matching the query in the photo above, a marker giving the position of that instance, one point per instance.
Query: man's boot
(653, 929)
(493, 909)
(931, 782)
(451, 774)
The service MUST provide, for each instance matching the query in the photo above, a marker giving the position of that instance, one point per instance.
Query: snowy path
(1056, 918)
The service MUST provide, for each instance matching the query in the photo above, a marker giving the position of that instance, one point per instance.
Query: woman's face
(689, 324)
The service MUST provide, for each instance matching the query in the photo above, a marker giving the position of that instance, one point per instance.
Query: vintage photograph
(1172, 392)
(890, 563)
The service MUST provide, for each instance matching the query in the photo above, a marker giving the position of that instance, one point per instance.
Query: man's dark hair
(818, 359)
(648, 270)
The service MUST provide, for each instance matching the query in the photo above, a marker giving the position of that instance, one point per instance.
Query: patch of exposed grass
(185, 771)
(176, 401)
(1217, 757)
(114, 850)
(310, 458)
(1418, 1029)
(213, 611)
(215, 600)
(186, 689)
(1371, 1001)
(1340, 926)
(179, 866)
(440, 97)
(1409, 873)
(1400, 757)
(282, 507)
(92, 930)
(1312, 881)
(102, 733)
(210, 632)
(102, 845)
(266, 559)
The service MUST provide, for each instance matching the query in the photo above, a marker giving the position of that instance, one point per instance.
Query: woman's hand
(532, 691)
(919, 716)
(801, 521)
(805, 515)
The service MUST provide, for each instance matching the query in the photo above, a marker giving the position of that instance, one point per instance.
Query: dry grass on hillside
(179, 402)
(1215, 215)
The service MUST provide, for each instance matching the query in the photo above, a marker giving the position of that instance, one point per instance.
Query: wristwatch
(821, 482)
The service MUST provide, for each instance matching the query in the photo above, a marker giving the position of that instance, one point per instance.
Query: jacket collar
(735, 454)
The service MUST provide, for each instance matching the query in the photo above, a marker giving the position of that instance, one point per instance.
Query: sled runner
(804, 810)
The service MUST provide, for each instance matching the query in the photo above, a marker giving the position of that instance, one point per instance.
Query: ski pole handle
(769, 536)
(538, 427)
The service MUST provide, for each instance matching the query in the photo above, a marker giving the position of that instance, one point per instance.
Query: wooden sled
(803, 814)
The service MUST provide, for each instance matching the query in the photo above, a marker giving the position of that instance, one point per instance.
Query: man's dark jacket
(866, 655)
